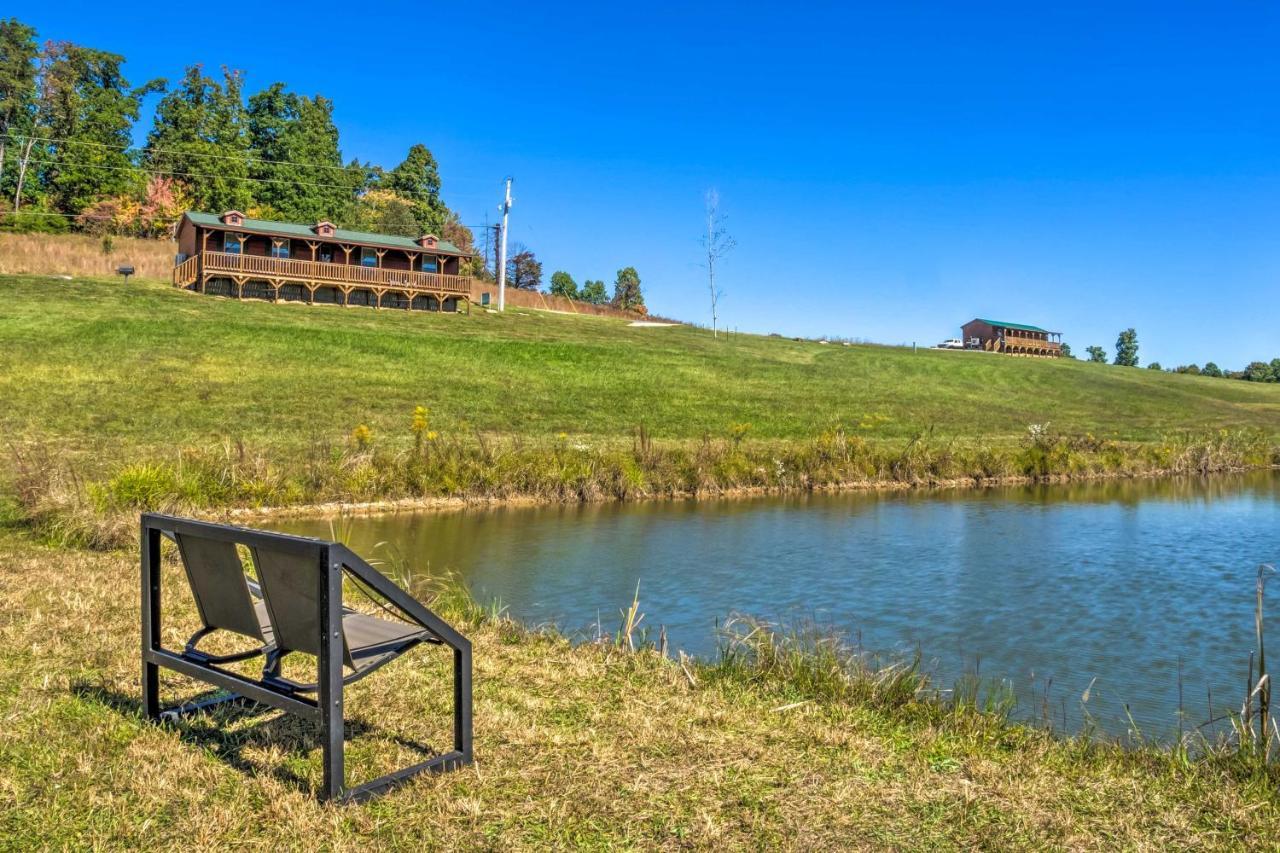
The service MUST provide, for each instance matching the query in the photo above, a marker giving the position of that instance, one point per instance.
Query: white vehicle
(951, 343)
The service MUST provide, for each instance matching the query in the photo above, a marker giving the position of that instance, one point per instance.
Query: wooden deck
(371, 284)
(1017, 345)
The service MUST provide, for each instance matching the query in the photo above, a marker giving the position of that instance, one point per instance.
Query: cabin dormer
(324, 228)
(232, 217)
(428, 241)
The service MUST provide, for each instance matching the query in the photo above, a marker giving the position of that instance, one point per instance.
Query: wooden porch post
(379, 253)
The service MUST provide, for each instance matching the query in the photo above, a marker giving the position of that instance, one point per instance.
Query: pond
(1142, 589)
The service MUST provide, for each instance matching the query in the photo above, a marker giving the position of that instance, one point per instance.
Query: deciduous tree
(1211, 369)
(1097, 355)
(594, 292)
(716, 243)
(1127, 348)
(524, 271)
(17, 86)
(562, 284)
(86, 110)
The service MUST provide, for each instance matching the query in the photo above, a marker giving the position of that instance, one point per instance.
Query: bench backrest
(218, 583)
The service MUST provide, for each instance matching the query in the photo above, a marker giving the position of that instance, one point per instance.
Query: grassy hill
(102, 365)
(113, 396)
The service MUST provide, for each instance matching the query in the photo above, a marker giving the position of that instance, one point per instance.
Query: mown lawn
(584, 746)
(99, 365)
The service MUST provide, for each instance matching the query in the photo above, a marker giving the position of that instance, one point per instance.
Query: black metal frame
(332, 559)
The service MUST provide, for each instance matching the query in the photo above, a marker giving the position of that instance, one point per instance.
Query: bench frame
(326, 710)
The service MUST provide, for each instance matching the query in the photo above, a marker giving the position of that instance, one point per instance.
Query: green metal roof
(340, 235)
(1019, 326)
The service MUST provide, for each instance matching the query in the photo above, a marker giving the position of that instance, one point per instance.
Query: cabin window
(368, 257)
(230, 244)
(430, 265)
(326, 256)
(280, 249)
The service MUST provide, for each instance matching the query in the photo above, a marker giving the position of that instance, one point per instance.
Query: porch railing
(330, 273)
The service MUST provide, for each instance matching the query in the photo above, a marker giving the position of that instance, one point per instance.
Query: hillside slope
(89, 362)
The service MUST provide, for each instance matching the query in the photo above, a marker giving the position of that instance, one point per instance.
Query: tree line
(1127, 356)
(67, 159)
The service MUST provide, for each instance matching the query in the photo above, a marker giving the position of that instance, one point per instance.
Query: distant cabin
(1012, 338)
(230, 254)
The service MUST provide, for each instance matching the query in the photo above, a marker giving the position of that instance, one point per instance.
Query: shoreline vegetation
(69, 508)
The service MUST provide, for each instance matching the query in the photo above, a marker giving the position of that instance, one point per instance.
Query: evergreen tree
(86, 110)
(294, 143)
(1127, 349)
(562, 284)
(17, 89)
(417, 179)
(199, 136)
(626, 290)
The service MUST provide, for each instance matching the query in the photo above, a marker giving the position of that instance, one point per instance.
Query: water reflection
(1109, 580)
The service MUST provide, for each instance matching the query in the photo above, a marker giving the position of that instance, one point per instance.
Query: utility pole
(502, 252)
(497, 241)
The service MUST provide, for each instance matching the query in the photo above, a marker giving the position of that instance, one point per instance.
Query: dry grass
(82, 255)
(583, 746)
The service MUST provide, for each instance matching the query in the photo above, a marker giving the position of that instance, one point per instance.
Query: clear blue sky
(889, 171)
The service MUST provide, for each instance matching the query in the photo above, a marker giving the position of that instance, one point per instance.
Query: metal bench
(294, 607)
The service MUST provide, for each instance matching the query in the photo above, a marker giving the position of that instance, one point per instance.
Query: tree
(86, 111)
(296, 158)
(17, 84)
(383, 212)
(1066, 351)
(626, 291)
(716, 243)
(562, 284)
(1097, 355)
(1275, 370)
(1193, 369)
(1155, 365)
(1258, 371)
(199, 137)
(594, 292)
(1211, 369)
(417, 179)
(524, 271)
(1127, 348)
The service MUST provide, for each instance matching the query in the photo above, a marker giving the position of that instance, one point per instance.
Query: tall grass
(83, 255)
(61, 499)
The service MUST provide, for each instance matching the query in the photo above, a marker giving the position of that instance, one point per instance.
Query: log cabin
(230, 254)
(1011, 338)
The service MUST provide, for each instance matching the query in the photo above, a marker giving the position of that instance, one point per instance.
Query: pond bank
(588, 745)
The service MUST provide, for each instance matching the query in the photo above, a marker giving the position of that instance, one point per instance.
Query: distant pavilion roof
(340, 235)
(1022, 327)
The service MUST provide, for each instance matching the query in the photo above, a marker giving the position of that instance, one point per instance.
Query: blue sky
(889, 171)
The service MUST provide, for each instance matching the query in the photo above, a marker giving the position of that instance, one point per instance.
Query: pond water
(1052, 588)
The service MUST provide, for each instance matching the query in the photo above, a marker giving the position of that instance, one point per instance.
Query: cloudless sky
(888, 170)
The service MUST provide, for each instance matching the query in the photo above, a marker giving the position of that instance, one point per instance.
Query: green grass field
(577, 746)
(96, 364)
